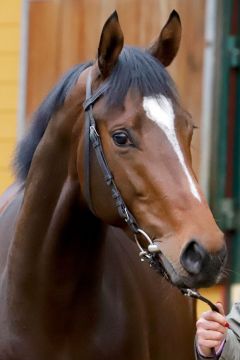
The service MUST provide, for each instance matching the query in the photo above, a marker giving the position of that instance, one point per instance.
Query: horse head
(146, 136)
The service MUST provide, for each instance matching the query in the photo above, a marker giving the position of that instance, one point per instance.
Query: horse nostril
(193, 257)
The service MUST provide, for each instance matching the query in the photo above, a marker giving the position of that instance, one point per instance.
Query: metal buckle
(94, 136)
(196, 295)
(125, 212)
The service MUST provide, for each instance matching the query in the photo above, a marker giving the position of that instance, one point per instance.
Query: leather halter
(92, 135)
(92, 140)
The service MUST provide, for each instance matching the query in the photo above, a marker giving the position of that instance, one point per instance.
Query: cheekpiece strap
(92, 137)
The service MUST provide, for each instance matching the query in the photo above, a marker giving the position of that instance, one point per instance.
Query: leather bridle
(92, 140)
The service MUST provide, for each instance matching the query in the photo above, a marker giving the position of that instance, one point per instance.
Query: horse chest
(128, 318)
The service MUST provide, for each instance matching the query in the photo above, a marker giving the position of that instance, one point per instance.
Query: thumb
(220, 308)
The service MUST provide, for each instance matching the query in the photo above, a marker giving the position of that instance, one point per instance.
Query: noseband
(92, 140)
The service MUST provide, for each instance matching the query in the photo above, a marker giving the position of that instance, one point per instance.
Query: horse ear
(111, 44)
(165, 48)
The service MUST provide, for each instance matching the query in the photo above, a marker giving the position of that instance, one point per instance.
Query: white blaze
(160, 110)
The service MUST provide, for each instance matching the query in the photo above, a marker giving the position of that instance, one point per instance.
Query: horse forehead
(160, 110)
(128, 110)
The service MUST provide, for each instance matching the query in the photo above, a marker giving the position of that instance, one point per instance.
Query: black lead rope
(196, 295)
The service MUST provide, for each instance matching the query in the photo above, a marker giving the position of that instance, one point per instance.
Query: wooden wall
(9, 74)
(66, 32)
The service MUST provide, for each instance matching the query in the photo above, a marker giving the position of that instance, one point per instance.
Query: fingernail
(226, 325)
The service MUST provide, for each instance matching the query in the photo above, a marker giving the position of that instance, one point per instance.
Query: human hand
(211, 331)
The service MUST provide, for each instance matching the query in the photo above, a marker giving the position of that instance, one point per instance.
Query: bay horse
(105, 169)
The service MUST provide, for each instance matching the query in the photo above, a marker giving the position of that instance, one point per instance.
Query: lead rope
(196, 295)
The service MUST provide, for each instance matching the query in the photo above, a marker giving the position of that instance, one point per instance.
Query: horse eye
(121, 138)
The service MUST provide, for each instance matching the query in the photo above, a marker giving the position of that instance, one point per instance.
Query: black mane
(136, 69)
(27, 146)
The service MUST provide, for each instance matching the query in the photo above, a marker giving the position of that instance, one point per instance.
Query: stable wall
(10, 13)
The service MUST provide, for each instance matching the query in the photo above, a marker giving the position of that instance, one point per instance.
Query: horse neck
(72, 249)
(57, 241)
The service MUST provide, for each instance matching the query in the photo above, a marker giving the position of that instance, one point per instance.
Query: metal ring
(145, 235)
(142, 251)
(152, 248)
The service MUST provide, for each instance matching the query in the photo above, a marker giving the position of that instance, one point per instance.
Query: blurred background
(41, 39)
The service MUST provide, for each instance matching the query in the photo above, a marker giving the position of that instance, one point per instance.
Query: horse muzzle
(197, 267)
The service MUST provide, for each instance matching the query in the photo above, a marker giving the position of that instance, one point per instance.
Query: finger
(220, 308)
(227, 325)
(222, 312)
(208, 343)
(210, 325)
(214, 316)
(210, 335)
